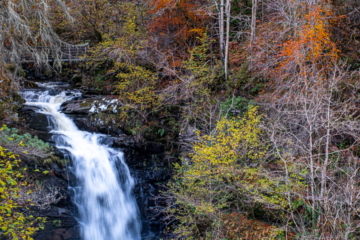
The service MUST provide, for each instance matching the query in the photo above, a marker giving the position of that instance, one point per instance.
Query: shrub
(14, 223)
(23, 144)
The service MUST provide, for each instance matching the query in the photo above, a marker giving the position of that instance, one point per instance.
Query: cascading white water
(107, 209)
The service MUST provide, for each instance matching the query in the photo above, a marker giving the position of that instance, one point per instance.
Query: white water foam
(107, 208)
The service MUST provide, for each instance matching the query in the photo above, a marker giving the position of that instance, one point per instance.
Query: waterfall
(107, 208)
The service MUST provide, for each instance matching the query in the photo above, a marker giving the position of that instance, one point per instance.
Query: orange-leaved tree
(179, 23)
(310, 52)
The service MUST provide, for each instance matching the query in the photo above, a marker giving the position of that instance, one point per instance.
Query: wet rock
(60, 153)
(63, 173)
(68, 176)
(123, 141)
(53, 92)
(106, 129)
(147, 199)
(77, 106)
(37, 123)
(82, 122)
(63, 234)
(92, 105)
(34, 120)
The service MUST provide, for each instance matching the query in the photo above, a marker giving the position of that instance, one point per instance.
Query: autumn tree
(24, 25)
(93, 21)
(177, 24)
(226, 176)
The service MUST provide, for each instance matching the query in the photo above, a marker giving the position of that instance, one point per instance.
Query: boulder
(106, 104)
(33, 119)
(77, 106)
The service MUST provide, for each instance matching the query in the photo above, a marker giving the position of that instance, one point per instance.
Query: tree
(224, 45)
(225, 177)
(25, 25)
(253, 29)
(94, 21)
(177, 24)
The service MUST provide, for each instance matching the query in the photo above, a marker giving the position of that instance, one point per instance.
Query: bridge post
(70, 55)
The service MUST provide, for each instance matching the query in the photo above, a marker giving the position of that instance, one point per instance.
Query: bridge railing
(66, 54)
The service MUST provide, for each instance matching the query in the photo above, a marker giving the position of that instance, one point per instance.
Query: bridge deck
(67, 54)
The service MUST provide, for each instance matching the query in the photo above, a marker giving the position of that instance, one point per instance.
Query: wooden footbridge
(67, 54)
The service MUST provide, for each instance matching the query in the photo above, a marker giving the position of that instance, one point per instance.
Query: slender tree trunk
(328, 138)
(221, 30)
(253, 28)
(228, 15)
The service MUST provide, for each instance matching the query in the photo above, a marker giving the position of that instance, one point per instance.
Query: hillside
(226, 119)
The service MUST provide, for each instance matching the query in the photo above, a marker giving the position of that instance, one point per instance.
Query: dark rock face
(123, 141)
(60, 224)
(37, 123)
(150, 172)
(33, 119)
(82, 122)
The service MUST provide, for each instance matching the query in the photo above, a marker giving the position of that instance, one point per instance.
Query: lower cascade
(103, 194)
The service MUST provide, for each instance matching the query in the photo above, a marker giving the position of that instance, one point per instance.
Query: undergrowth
(24, 144)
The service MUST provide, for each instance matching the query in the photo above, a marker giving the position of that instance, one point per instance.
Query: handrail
(67, 53)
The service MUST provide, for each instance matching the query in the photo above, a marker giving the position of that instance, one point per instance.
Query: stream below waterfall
(103, 193)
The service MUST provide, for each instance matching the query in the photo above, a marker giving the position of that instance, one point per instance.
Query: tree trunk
(253, 28)
(221, 30)
(228, 15)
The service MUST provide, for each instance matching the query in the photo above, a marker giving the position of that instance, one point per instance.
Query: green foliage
(23, 144)
(99, 82)
(56, 223)
(235, 106)
(243, 82)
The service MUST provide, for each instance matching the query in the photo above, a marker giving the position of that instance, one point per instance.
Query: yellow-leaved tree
(225, 179)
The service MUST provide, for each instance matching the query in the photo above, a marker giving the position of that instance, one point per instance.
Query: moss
(47, 162)
(86, 104)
